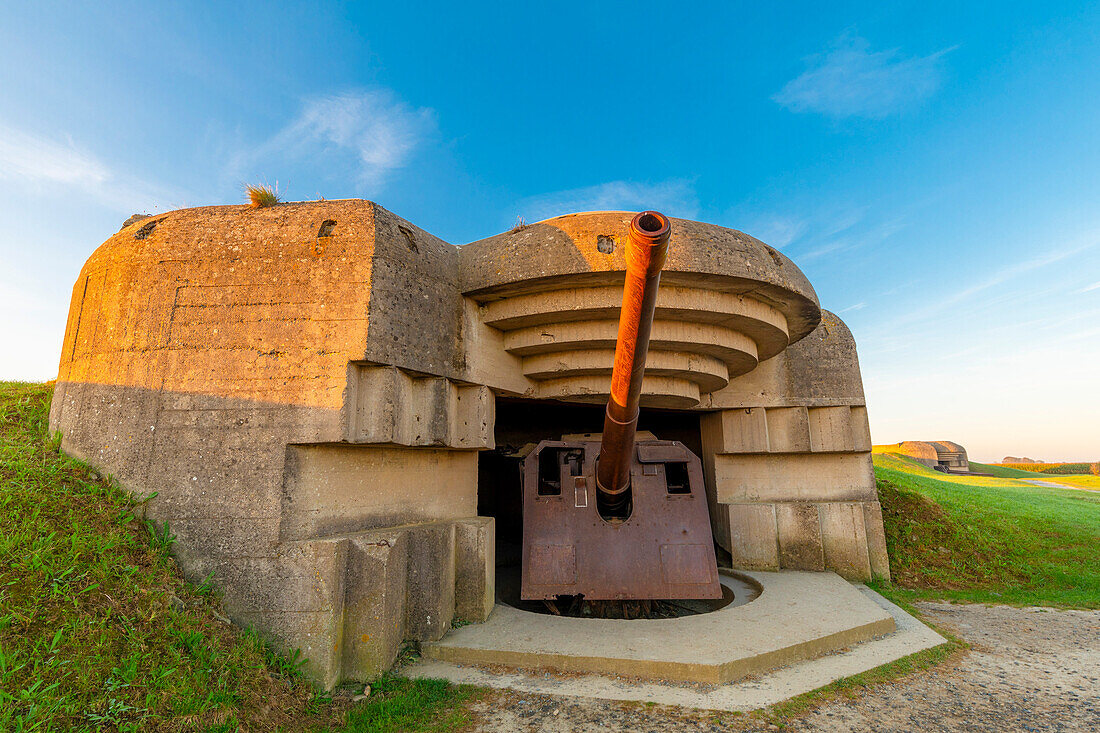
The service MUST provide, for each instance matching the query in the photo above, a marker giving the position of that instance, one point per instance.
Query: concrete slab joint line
(307, 410)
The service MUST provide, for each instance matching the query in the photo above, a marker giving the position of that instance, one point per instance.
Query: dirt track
(1028, 670)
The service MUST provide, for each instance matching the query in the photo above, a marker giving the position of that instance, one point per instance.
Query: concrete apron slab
(797, 616)
(908, 637)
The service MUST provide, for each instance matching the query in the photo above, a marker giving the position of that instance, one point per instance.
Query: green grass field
(989, 539)
(99, 632)
(1080, 480)
(1002, 471)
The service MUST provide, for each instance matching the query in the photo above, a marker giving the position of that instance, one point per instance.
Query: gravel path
(1029, 669)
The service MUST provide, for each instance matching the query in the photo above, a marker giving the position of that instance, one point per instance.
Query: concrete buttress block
(876, 540)
(475, 568)
(374, 603)
(799, 531)
(844, 539)
(430, 593)
(861, 429)
(813, 477)
(334, 489)
(737, 431)
(295, 598)
(317, 635)
(788, 430)
(393, 406)
(752, 536)
(831, 429)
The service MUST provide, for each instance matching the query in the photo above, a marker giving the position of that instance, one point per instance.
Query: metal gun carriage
(610, 517)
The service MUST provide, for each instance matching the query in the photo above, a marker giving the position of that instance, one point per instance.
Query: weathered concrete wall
(306, 388)
(218, 357)
(788, 462)
(331, 488)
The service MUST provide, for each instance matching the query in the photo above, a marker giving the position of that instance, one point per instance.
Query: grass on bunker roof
(262, 196)
(988, 539)
(98, 631)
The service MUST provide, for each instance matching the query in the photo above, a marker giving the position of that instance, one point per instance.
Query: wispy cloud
(802, 229)
(868, 234)
(857, 307)
(33, 158)
(675, 197)
(851, 80)
(777, 230)
(1012, 271)
(931, 313)
(380, 131)
(1086, 334)
(835, 246)
(834, 231)
(39, 161)
(1089, 288)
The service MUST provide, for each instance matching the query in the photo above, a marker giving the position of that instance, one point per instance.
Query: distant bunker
(940, 455)
(328, 402)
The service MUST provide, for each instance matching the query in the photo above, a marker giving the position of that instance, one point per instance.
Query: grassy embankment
(99, 632)
(989, 539)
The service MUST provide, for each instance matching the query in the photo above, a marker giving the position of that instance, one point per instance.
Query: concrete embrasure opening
(522, 423)
(146, 229)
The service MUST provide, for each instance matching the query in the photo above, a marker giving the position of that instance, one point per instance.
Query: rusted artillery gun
(616, 519)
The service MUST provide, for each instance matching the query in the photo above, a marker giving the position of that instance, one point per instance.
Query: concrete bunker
(940, 455)
(317, 412)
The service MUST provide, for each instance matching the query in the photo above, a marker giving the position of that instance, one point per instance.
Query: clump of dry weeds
(262, 196)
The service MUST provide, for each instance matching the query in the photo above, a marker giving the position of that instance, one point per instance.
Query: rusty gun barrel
(645, 256)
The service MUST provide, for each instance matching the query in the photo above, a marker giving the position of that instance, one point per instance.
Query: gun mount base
(663, 548)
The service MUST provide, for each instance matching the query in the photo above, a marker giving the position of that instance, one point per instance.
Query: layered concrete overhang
(727, 302)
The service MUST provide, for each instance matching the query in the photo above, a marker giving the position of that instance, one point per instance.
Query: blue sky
(932, 167)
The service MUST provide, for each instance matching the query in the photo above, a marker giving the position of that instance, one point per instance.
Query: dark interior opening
(676, 478)
(549, 474)
(556, 465)
(649, 223)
